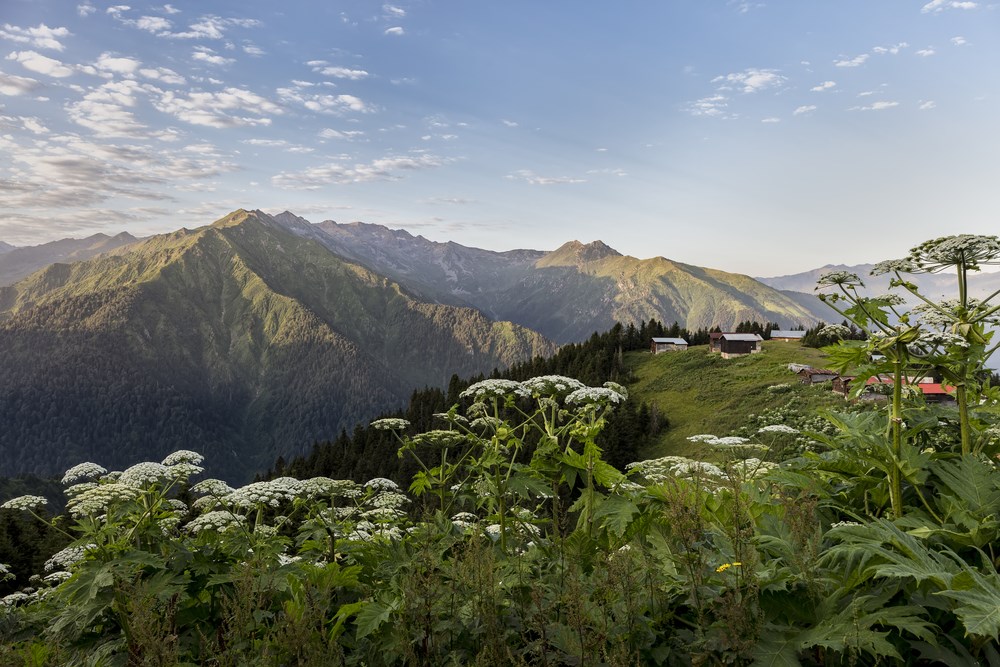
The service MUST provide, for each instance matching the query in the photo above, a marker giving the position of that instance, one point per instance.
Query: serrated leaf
(777, 649)
(617, 513)
(370, 618)
(979, 602)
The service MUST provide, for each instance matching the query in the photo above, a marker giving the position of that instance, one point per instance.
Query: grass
(700, 392)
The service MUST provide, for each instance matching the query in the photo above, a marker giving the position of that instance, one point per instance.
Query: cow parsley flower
(29, 503)
(5, 572)
(77, 489)
(183, 456)
(57, 578)
(83, 471)
(66, 558)
(145, 474)
(15, 599)
(595, 395)
(98, 499)
(381, 484)
(271, 493)
(390, 424)
(213, 487)
(835, 331)
(968, 250)
(893, 266)
(777, 428)
(552, 385)
(841, 278)
(218, 521)
(496, 388)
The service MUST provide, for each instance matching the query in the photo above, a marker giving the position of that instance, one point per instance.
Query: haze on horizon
(757, 137)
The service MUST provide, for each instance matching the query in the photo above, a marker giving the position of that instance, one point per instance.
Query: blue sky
(756, 137)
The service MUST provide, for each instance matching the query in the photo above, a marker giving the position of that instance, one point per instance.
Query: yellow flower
(726, 566)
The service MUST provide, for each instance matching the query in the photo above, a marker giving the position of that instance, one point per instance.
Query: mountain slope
(5, 247)
(17, 263)
(568, 293)
(239, 339)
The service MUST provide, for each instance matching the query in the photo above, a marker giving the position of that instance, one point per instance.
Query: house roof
(741, 336)
(929, 388)
(787, 333)
(816, 371)
(673, 341)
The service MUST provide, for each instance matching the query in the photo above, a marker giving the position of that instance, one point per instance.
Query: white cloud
(252, 50)
(772, 119)
(751, 79)
(509, 123)
(856, 61)
(207, 55)
(804, 109)
(115, 10)
(714, 106)
(319, 103)
(342, 72)
(941, 5)
(959, 41)
(923, 53)
(334, 173)
(34, 126)
(212, 27)
(86, 9)
(17, 85)
(164, 75)
(826, 85)
(153, 24)
(36, 62)
(394, 11)
(330, 133)
(532, 178)
(105, 110)
(228, 108)
(892, 50)
(929, 104)
(877, 106)
(170, 9)
(41, 37)
(117, 65)
(396, 30)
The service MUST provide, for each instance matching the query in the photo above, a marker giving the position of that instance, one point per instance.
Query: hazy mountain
(17, 263)
(566, 294)
(932, 285)
(240, 340)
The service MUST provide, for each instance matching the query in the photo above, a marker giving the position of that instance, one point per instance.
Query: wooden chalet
(737, 344)
(816, 375)
(658, 345)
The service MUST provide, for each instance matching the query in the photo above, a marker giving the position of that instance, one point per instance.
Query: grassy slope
(704, 393)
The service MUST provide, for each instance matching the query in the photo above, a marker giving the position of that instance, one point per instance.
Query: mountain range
(256, 335)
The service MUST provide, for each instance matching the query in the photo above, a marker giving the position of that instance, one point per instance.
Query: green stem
(896, 424)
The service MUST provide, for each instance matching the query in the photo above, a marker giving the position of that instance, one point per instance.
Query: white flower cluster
(29, 503)
(844, 524)
(777, 428)
(701, 437)
(271, 493)
(98, 499)
(656, 471)
(464, 520)
(57, 578)
(183, 470)
(614, 386)
(893, 266)
(934, 339)
(451, 417)
(552, 385)
(835, 331)
(440, 439)
(970, 250)
(389, 499)
(66, 558)
(890, 300)
(15, 599)
(77, 489)
(381, 484)
(145, 474)
(496, 389)
(595, 395)
(750, 469)
(218, 521)
(83, 471)
(839, 278)
(183, 456)
(212, 487)
(5, 572)
(390, 424)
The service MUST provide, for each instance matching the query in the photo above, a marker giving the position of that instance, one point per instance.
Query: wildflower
(83, 471)
(217, 521)
(440, 439)
(5, 572)
(29, 503)
(844, 524)
(842, 278)
(552, 385)
(77, 489)
(14, 599)
(893, 266)
(270, 494)
(835, 331)
(183, 470)
(98, 499)
(890, 300)
(381, 484)
(214, 487)
(66, 558)
(702, 437)
(777, 428)
(183, 456)
(496, 389)
(144, 474)
(57, 577)
(390, 424)
(614, 386)
(726, 566)
(598, 395)
(966, 250)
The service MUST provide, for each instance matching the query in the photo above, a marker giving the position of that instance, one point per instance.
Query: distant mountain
(933, 285)
(239, 339)
(566, 294)
(18, 263)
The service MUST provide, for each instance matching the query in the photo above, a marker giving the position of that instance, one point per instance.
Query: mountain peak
(574, 253)
(5, 247)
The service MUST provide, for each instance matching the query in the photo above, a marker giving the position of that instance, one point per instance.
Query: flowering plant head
(552, 385)
(964, 250)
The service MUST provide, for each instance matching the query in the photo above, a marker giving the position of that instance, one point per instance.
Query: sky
(763, 138)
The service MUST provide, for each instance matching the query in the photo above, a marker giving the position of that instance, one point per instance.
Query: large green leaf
(978, 596)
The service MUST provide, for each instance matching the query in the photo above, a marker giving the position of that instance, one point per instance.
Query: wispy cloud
(395, 30)
(826, 85)
(11, 84)
(929, 104)
(532, 178)
(804, 109)
(750, 80)
(959, 41)
(856, 61)
(232, 107)
(714, 106)
(393, 11)
(929, 51)
(207, 55)
(324, 68)
(941, 5)
(347, 135)
(891, 50)
(36, 62)
(877, 106)
(388, 168)
(40, 37)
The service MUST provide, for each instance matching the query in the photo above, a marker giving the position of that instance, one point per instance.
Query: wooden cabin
(658, 345)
